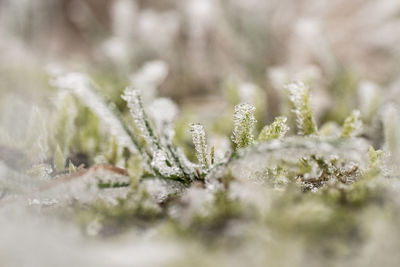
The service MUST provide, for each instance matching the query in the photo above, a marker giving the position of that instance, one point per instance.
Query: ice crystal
(221, 146)
(291, 150)
(81, 86)
(200, 143)
(134, 101)
(276, 130)
(352, 125)
(166, 161)
(244, 123)
(160, 189)
(299, 96)
(185, 164)
(161, 163)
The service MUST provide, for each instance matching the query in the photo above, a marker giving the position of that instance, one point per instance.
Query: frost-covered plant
(299, 95)
(375, 162)
(276, 130)
(200, 144)
(135, 105)
(275, 183)
(244, 123)
(352, 126)
(166, 161)
(83, 88)
(160, 156)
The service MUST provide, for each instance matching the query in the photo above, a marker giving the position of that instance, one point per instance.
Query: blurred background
(204, 42)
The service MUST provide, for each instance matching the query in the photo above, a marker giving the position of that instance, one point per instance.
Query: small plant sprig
(244, 124)
(200, 144)
(83, 88)
(152, 139)
(276, 130)
(299, 96)
(352, 125)
(166, 161)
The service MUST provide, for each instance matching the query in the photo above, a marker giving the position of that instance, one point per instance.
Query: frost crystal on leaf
(276, 130)
(244, 123)
(352, 125)
(135, 105)
(81, 86)
(200, 143)
(166, 160)
(163, 166)
(299, 96)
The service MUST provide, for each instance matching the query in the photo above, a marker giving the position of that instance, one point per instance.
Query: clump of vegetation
(122, 169)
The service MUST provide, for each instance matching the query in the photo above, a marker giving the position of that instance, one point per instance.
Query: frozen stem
(352, 125)
(200, 144)
(276, 130)
(244, 123)
(299, 96)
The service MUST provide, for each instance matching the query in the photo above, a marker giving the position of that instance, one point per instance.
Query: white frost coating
(296, 91)
(353, 124)
(244, 123)
(277, 130)
(163, 112)
(159, 162)
(187, 165)
(299, 95)
(85, 188)
(80, 85)
(292, 149)
(159, 189)
(158, 145)
(222, 147)
(133, 99)
(315, 170)
(200, 143)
